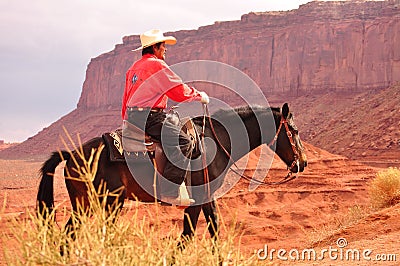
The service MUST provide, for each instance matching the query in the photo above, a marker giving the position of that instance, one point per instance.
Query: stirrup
(178, 201)
(183, 198)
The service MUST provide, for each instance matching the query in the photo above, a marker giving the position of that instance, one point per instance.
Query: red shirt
(149, 82)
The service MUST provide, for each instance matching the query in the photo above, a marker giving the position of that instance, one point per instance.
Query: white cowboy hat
(154, 36)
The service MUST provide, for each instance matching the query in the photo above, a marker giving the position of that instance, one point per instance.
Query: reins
(283, 121)
(203, 148)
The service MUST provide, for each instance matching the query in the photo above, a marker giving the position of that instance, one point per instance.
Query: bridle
(283, 121)
(292, 143)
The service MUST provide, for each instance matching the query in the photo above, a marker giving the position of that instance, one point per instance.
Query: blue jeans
(176, 144)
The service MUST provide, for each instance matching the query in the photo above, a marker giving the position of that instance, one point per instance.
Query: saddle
(132, 143)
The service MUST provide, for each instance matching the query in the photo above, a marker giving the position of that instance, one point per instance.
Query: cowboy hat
(154, 36)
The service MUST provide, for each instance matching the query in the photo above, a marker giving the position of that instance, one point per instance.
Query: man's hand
(204, 98)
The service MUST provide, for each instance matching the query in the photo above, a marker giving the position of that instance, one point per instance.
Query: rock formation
(345, 46)
(321, 46)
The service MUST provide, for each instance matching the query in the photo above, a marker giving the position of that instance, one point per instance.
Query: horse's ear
(285, 111)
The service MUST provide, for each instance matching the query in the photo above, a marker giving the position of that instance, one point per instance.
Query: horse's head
(288, 144)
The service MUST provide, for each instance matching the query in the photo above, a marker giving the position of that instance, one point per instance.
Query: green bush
(384, 190)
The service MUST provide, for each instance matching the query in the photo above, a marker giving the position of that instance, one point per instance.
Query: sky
(46, 45)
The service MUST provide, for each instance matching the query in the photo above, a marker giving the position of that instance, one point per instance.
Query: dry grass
(103, 239)
(354, 214)
(384, 190)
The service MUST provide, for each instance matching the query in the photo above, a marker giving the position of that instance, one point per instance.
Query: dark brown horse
(233, 132)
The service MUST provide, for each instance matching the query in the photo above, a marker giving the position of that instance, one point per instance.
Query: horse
(230, 144)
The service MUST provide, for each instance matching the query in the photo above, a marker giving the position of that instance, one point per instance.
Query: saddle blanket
(121, 148)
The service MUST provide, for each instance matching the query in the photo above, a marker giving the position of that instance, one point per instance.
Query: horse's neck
(258, 129)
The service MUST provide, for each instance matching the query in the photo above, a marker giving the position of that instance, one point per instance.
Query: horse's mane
(243, 111)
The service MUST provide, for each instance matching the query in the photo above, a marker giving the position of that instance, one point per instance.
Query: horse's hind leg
(74, 222)
(114, 205)
(70, 229)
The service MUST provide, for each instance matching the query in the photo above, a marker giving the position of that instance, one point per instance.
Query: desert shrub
(338, 223)
(102, 239)
(384, 189)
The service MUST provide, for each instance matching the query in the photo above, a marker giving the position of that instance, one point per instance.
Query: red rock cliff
(321, 46)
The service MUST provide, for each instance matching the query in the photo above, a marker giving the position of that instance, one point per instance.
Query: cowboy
(148, 85)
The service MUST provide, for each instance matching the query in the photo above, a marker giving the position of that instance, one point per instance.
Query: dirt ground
(324, 207)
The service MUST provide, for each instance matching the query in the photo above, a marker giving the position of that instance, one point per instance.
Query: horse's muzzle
(298, 166)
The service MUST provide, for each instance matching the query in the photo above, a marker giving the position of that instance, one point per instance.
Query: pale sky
(46, 45)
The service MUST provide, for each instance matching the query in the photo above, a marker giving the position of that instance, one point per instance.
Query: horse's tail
(45, 196)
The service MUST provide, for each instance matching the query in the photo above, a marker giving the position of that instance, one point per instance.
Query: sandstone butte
(321, 46)
(318, 48)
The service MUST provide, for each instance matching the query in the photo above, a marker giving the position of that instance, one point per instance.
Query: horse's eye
(294, 129)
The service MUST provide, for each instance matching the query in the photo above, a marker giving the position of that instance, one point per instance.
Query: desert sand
(327, 202)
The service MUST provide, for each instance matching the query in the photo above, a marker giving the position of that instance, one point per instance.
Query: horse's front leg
(210, 212)
(190, 221)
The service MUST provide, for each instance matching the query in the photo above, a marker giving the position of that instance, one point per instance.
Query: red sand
(302, 214)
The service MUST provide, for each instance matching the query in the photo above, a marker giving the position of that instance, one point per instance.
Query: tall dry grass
(103, 239)
(384, 189)
(337, 224)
